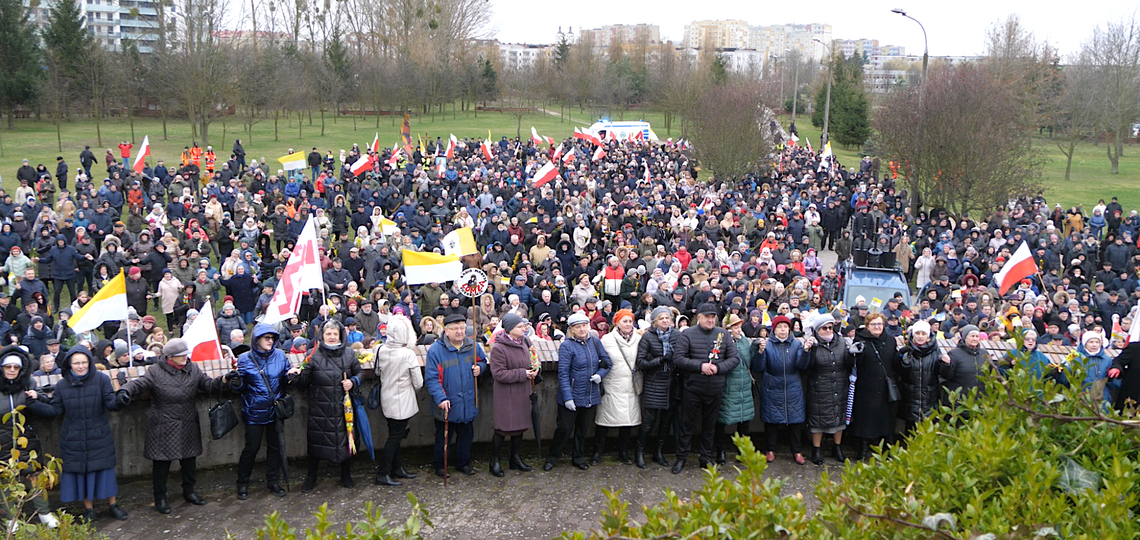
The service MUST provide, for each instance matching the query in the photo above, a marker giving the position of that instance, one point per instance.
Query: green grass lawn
(36, 141)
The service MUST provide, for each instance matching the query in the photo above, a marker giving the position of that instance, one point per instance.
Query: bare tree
(1075, 112)
(972, 149)
(1115, 51)
(725, 127)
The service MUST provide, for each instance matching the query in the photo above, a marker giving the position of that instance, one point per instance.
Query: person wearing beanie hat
(18, 390)
(654, 363)
(1097, 362)
(779, 363)
(827, 386)
(513, 372)
(332, 371)
(704, 355)
(962, 365)
(173, 431)
(620, 407)
(582, 364)
(919, 385)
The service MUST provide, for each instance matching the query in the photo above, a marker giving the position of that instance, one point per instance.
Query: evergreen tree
(849, 122)
(20, 58)
(67, 46)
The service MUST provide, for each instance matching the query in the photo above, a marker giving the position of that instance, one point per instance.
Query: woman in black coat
(655, 364)
(828, 378)
(1126, 366)
(241, 287)
(329, 373)
(18, 390)
(86, 444)
(173, 432)
(873, 412)
(918, 376)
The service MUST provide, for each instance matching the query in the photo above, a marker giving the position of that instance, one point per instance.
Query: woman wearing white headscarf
(399, 370)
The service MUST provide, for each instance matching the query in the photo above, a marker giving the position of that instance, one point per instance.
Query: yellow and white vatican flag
(109, 304)
(420, 268)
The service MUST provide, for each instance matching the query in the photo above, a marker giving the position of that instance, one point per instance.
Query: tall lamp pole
(914, 197)
(823, 138)
(925, 45)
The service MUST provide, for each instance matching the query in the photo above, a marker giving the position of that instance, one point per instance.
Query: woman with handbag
(779, 363)
(173, 432)
(876, 392)
(513, 372)
(331, 371)
(827, 382)
(620, 407)
(263, 379)
(737, 408)
(655, 365)
(400, 376)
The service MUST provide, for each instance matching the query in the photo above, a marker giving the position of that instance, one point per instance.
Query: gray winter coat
(173, 431)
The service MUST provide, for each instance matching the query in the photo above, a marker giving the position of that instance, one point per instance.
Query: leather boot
(816, 455)
(516, 462)
(659, 458)
(496, 449)
(623, 456)
(639, 457)
(678, 466)
(386, 480)
(160, 504)
(721, 457)
(864, 450)
(837, 453)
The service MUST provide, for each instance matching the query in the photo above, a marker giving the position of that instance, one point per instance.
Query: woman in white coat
(925, 267)
(400, 377)
(620, 407)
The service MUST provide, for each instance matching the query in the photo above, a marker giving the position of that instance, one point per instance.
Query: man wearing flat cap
(704, 355)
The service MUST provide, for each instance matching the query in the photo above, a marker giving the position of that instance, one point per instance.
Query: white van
(623, 129)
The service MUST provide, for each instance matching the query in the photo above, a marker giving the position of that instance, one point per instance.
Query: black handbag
(893, 394)
(284, 407)
(374, 394)
(222, 417)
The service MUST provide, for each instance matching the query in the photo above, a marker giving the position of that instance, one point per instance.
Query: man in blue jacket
(263, 378)
(452, 380)
(582, 364)
(64, 261)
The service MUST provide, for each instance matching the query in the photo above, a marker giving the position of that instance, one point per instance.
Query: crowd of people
(682, 310)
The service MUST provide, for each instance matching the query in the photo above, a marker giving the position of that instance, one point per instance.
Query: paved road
(519, 506)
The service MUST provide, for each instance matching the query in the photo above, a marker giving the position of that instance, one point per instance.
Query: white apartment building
(522, 55)
(624, 34)
(110, 22)
(773, 40)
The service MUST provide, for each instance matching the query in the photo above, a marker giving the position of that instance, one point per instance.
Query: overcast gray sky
(954, 28)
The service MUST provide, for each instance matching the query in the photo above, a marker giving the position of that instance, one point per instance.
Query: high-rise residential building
(624, 34)
(867, 48)
(770, 41)
(111, 22)
(717, 34)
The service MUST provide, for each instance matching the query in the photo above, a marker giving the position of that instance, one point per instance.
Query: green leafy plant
(748, 506)
(373, 527)
(22, 463)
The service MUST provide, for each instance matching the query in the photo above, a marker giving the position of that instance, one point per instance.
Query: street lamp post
(914, 197)
(925, 45)
(824, 137)
(795, 89)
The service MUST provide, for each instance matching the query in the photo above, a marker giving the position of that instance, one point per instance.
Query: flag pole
(475, 347)
(130, 357)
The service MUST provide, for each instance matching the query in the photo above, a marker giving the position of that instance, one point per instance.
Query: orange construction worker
(196, 155)
(211, 158)
(185, 155)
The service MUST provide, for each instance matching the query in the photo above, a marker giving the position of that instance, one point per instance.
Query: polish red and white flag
(202, 337)
(545, 174)
(599, 154)
(302, 272)
(1019, 266)
(451, 144)
(140, 160)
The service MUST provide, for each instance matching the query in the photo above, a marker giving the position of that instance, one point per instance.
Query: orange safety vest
(196, 155)
(185, 158)
(211, 158)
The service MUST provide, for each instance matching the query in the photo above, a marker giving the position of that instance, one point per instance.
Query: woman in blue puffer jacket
(781, 393)
(582, 363)
(263, 370)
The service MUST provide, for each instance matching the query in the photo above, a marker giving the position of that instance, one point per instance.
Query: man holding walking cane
(453, 365)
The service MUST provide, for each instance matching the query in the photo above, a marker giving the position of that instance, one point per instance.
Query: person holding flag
(173, 432)
(453, 367)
